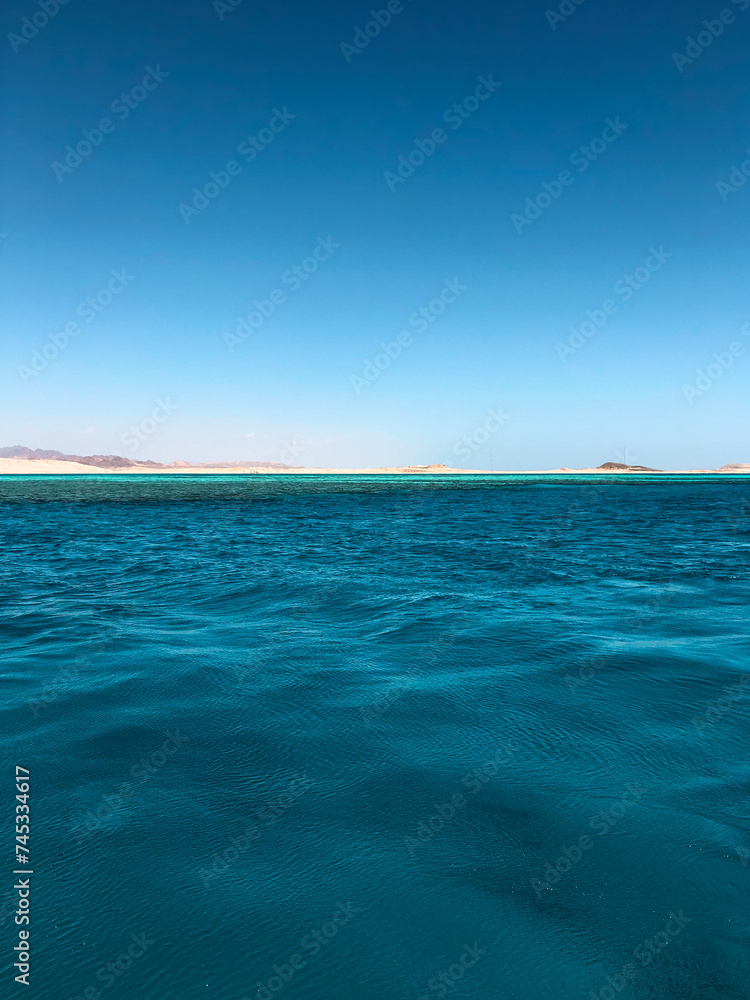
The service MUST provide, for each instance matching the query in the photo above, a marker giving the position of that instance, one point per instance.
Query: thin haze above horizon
(361, 235)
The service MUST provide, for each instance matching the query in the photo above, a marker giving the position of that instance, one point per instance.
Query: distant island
(19, 460)
(116, 463)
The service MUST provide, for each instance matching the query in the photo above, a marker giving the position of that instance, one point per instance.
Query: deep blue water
(504, 724)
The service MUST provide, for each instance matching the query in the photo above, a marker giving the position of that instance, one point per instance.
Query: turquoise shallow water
(388, 738)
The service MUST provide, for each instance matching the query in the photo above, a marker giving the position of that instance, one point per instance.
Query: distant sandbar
(47, 467)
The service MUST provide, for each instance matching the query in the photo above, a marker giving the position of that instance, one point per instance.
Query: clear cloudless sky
(286, 391)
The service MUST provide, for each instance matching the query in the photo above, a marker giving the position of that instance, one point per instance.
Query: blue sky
(183, 86)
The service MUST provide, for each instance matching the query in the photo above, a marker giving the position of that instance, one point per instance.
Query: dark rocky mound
(619, 467)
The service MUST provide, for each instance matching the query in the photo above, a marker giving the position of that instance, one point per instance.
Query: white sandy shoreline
(47, 467)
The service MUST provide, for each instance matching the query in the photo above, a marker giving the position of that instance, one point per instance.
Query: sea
(376, 738)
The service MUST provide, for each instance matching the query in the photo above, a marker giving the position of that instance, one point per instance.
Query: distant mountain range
(118, 462)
